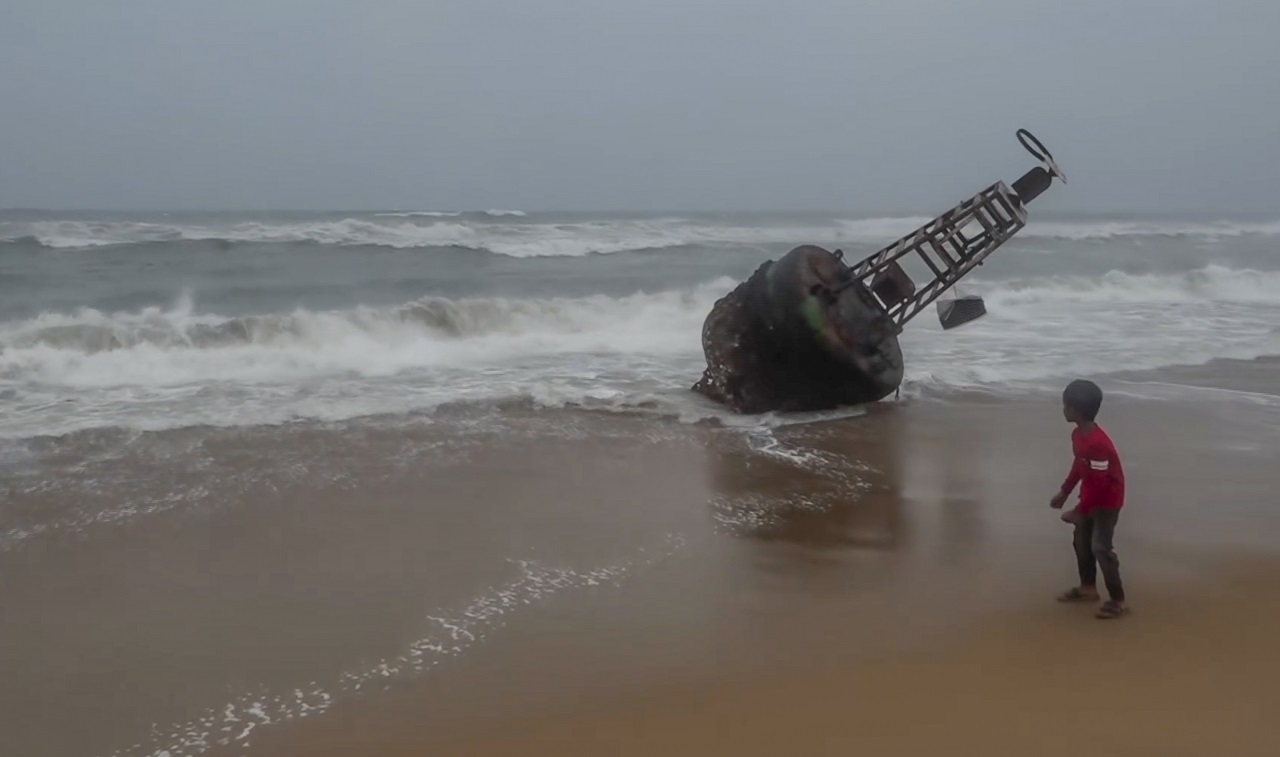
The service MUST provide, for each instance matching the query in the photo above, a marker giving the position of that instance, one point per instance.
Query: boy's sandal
(1110, 610)
(1075, 595)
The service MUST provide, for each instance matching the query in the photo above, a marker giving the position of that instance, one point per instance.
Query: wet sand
(930, 627)
(585, 583)
(1192, 672)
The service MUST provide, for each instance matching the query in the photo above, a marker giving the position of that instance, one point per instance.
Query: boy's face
(1069, 413)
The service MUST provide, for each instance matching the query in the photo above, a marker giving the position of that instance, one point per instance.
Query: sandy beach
(1193, 674)
(956, 644)
(586, 583)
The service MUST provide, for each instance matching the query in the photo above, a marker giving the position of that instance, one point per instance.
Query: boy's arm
(1073, 477)
(1060, 499)
(1114, 471)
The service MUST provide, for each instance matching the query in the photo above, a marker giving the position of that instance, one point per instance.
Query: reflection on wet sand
(788, 487)
(876, 517)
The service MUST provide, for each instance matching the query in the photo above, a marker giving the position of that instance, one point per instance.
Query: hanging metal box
(961, 310)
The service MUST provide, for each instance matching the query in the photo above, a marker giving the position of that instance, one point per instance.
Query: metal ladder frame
(995, 214)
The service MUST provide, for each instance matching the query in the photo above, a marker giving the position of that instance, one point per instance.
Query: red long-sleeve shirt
(1097, 469)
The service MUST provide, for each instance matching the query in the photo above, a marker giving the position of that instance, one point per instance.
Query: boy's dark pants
(1092, 542)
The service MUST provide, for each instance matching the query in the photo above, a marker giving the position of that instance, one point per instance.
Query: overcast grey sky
(649, 104)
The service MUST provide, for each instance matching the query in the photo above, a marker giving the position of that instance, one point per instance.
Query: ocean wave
(94, 347)
(1095, 230)
(452, 214)
(511, 233)
(176, 366)
(518, 239)
(421, 214)
(179, 346)
(1210, 283)
(1050, 328)
(1085, 230)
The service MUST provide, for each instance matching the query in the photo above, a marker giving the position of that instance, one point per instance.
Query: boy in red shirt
(1097, 469)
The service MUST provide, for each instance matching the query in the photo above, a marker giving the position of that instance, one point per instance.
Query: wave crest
(512, 233)
(178, 345)
(1211, 283)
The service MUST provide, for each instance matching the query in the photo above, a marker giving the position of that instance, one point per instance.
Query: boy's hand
(1058, 500)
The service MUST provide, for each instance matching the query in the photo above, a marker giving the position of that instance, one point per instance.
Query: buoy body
(799, 334)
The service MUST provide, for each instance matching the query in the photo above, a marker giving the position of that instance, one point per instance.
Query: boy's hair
(1083, 396)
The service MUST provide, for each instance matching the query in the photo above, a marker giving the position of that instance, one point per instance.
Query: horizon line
(869, 213)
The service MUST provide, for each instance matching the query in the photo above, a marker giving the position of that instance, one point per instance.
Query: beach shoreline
(932, 585)
(425, 586)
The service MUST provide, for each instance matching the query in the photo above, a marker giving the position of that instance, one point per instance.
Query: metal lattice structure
(956, 242)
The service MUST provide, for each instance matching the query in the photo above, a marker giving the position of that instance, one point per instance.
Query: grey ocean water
(151, 321)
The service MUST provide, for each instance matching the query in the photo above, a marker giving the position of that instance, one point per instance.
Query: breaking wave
(451, 214)
(1093, 230)
(166, 367)
(1044, 329)
(1211, 283)
(178, 345)
(514, 234)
